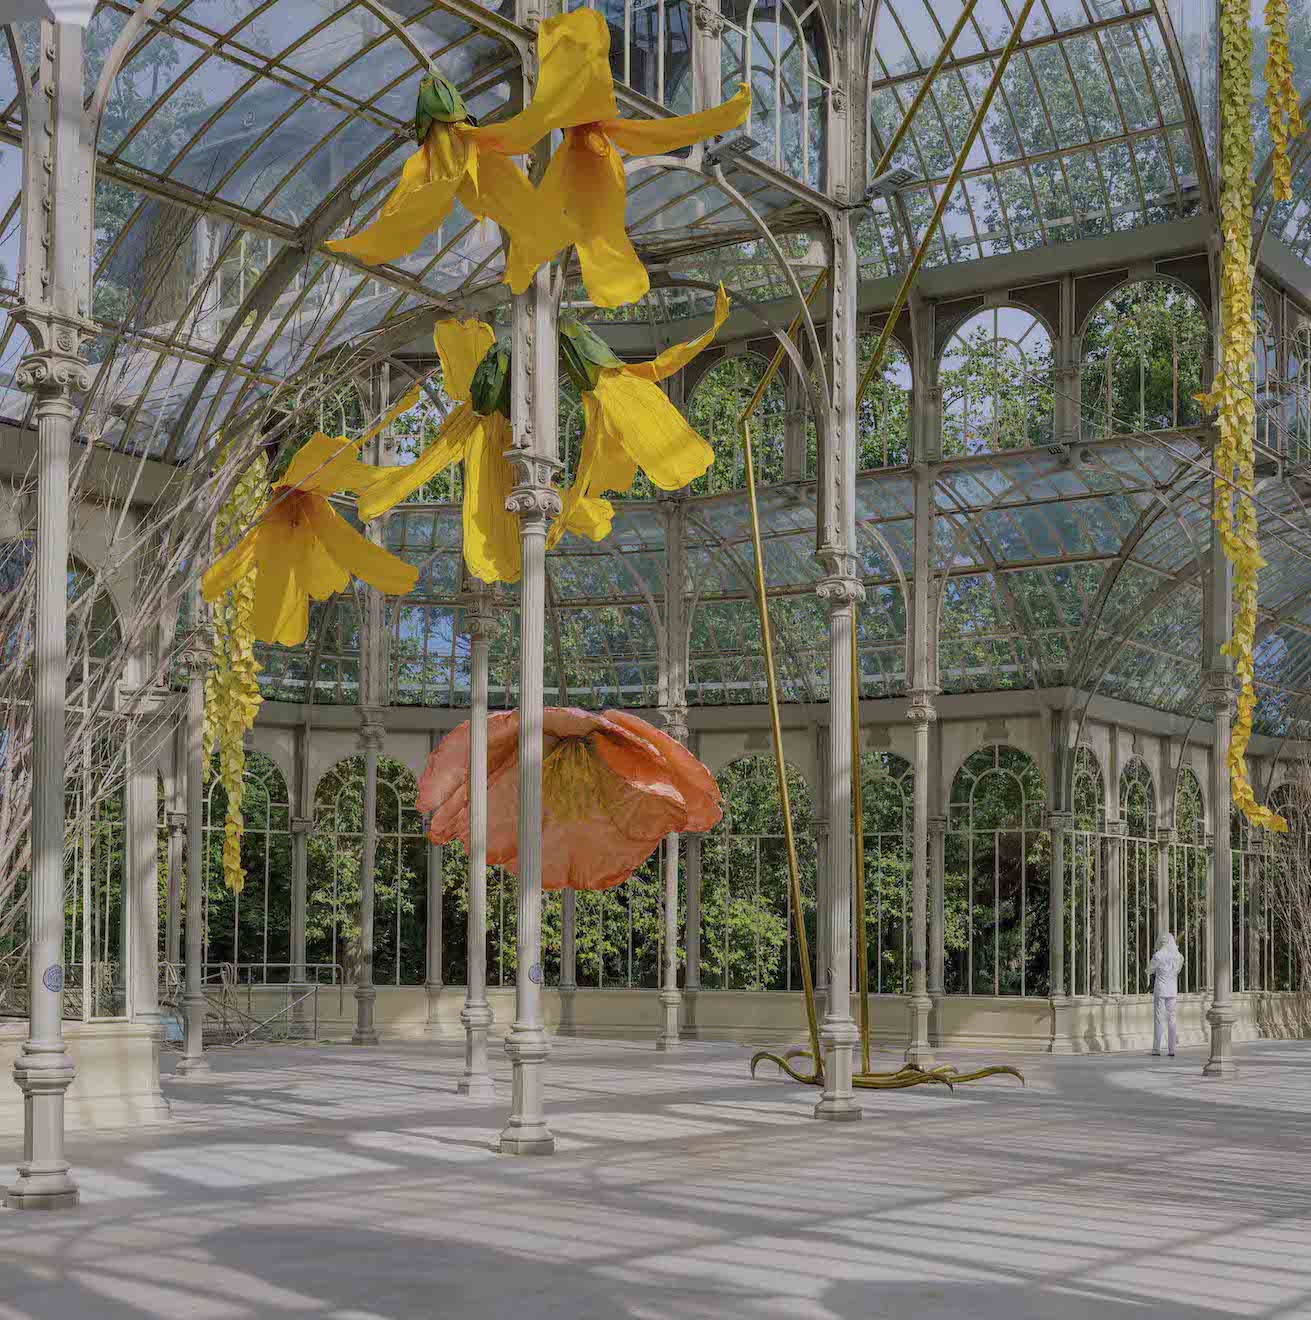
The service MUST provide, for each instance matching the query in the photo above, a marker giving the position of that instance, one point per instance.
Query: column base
(192, 1066)
(476, 1086)
(367, 1036)
(49, 1190)
(838, 1103)
(838, 1111)
(365, 1032)
(668, 1040)
(1062, 1025)
(918, 1051)
(532, 1139)
(1221, 1064)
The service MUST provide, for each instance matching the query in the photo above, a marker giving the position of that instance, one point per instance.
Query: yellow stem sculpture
(1231, 394)
(232, 695)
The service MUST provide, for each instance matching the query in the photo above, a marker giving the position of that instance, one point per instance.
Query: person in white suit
(1165, 965)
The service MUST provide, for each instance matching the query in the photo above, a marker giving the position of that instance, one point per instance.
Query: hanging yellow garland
(1281, 99)
(232, 695)
(1231, 394)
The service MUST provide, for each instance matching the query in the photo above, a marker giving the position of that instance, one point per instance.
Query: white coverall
(1165, 965)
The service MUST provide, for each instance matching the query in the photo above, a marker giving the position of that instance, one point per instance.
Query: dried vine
(232, 695)
(1231, 394)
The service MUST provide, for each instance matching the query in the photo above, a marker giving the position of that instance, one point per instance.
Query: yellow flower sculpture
(301, 547)
(476, 374)
(585, 179)
(454, 162)
(630, 423)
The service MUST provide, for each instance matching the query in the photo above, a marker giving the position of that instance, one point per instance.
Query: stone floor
(323, 1181)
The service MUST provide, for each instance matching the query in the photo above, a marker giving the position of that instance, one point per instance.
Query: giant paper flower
(301, 547)
(585, 179)
(630, 423)
(455, 162)
(612, 787)
(476, 374)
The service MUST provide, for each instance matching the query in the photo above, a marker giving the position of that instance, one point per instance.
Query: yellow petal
(461, 346)
(491, 531)
(229, 569)
(448, 446)
(574, 84)
(601, 466)
(418, 203)
(535, 223)
(657, 137)
(592, 186)
(280, 610)
(674, 359)
(636, 414)
(356, 554)
(327, 464)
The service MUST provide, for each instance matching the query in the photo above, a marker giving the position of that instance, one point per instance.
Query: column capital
(479, 617)
(922, 710)
(198, 653)
(302, 824)
(177, 823)
(55, 367)
(1059, 820)
(937, 826)
(840, 591)
(372, 731)
(1165, 835)
(709, 20)
(533, 498)
(1117, 828)
(1218, 688)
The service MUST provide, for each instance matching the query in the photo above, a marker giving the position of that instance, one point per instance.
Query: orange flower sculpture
(585, 179)
(612, 787)
(301, 547)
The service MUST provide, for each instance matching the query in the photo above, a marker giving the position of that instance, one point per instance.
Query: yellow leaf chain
(1281, 99)
(1231, 394)
(232, 695)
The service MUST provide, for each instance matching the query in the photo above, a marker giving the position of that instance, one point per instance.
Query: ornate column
(840, 590)
(569, 940)
(142, 915)
(476, 1015)
(1114, 909)
(302, 826)
(1221, 1014)
(1165, 836)
(535, 372)
(177, 837)
(823, 833)
(692, 922)
(920, 1005)
(193, 1062)
(671, 1001)
(1060, 823)
(432, 981)
(937, 987)
(370, 744)
(54, 303)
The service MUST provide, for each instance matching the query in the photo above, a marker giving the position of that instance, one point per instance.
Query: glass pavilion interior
(1012, 514)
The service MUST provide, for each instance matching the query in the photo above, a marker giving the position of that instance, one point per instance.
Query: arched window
(715, 410)
(1190, 861)
(997, 876)
(1084, 912)
(747, 942)
(883, 412)
(783, 54)
(1145, 350)
(400, 893)
(251, 930)
(1138, 872)
(886, 786)
(996, 379)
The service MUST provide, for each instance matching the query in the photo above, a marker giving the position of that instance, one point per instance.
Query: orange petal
(658, 137)
(688, 775)
(574, 84)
